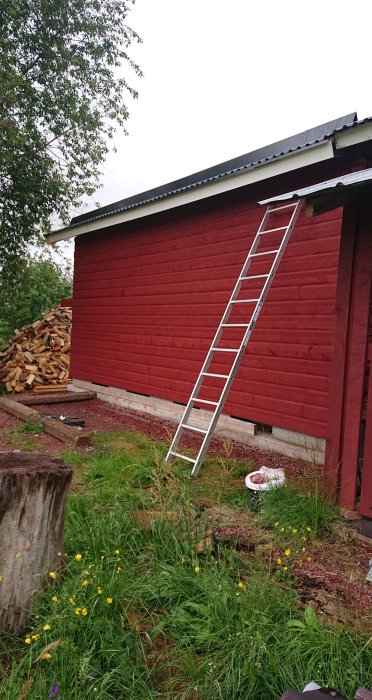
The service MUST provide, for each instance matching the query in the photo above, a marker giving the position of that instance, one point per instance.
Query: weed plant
(22, 436)
(138, 613)
(308, 510)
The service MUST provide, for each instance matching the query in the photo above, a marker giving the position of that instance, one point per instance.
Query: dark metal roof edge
(222, 171)
(186, 188)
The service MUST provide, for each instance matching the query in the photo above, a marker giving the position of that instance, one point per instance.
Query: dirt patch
(334, 580)
(330, 575)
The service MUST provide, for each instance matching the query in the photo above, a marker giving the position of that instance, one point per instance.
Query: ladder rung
(211, 403)
(225, 349)
(253, 277)
(192, 427)
(232, 325)
(284, 206)
(272, 230)
(211, 374)
(244, 301)
(267, 252)
(188, 459)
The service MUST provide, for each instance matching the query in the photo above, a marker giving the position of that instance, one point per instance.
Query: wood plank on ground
(65, 397)
(22, 412)
(64, 433)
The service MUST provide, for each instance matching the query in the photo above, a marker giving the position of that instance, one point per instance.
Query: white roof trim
(350, 137)
(348, 180)
(294, 161)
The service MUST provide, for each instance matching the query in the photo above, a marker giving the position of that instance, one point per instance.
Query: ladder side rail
(244, 342)
(272, 272)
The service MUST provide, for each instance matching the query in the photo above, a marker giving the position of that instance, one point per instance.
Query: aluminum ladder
(288, 211)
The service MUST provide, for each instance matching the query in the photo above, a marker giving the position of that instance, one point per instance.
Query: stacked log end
(38, 355)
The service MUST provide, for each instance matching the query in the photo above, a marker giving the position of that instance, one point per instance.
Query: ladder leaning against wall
(263, 261)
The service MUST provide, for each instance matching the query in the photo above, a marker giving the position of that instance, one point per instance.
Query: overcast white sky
(224, 77)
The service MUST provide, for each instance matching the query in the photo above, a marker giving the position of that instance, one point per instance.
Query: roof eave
(299, 159)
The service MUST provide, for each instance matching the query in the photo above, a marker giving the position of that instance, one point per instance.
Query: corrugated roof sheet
(361, 177)
(229, 168)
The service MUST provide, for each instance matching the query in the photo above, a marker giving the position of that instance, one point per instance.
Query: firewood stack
(38, 355)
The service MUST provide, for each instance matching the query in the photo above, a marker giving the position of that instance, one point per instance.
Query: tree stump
(33, 492)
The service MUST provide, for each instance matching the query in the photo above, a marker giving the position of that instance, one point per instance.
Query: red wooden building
(153, 274)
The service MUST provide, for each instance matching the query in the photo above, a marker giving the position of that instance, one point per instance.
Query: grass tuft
(308, 511)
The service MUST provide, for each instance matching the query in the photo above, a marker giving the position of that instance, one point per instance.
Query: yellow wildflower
(109, 600)
(118, 569)
(78, 557)
(28, 640)
(77, 611)
(287, 552)
(52, 574)
(46, 656)
(91, 566)
(294, 530)
(1, 578)
(308, 558)
(276, 524)
(308, 529)
(47, 627)
(282, 529)
(278, 561)
(35, 637)
(99, 590)
(54, 599)
(285, 568)
(84, 612)
(85, 582)
(242, 585)
(197, 569)
(72, 600)
(117, 551)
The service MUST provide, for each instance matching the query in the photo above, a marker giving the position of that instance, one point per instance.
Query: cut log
(65, 433)
(38, 353)
(33, 492)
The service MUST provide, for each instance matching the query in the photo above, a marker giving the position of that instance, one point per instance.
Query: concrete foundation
(286, 442)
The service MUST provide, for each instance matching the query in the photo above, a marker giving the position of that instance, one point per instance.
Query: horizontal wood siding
(148, 299)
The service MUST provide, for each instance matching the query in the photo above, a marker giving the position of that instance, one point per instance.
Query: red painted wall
(148, 298)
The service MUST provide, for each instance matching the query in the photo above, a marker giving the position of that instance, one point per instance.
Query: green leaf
(310, 617)
(296, 624)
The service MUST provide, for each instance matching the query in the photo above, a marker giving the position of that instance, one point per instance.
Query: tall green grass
(138, 613)
(306, 509)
